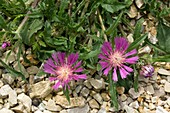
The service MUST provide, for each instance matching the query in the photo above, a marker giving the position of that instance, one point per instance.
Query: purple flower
(64, 69)
(117, 59)
(147, 71)
(4, 45)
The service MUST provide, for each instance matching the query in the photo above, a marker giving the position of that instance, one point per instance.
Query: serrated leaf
(91, 54)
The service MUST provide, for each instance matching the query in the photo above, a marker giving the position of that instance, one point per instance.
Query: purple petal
(72, 58)
(50, 62)
(55, 58)
(101, 56)
(61, 57)
(106, 71)
(121, 44)
(134, 51)
(128, 68)
(106, 48)
(56, 85)
(77, 65)
(52, 78)
(123, 73)
(103, 64)
(79, 70)
(77, 77)
(132, 60)
(48, 69)
(114, 76)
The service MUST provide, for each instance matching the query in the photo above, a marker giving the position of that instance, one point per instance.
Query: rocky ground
(89, 96)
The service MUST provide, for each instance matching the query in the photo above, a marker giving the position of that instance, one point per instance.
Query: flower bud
(147, 71)
(4, 45)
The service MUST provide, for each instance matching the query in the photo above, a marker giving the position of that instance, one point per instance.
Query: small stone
(1, 83)
(133, 12)
(160, 92)
(97, 84)
(123, 97)
(129, 100)
(102, 110)
(84, 109)
(6, 90)
(63, 111)
(154, 99)
(168, 101)
(163, 71)
(46, 111)
(5, 110)
(41, 107)
(18, 109)
(130, 109)
(94, 111)
(93, 104)
(168, 78)
(85, 92)
(139, 3)
(26, 101)
(159, 109)
(105, 96)
(74, 102)
(78, 88)
(150, 89)
(38, 111)
(134, 94)
(134, 104)
(167, 87)
(32, 70)
(8, 78)
(87, 84)
(98, 97)
(52, 106)
(120, 90)
(41, 89)
(151, 106)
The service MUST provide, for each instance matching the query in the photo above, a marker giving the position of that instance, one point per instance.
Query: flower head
(117, 59)
(5, 44)
(64, 69)
(147, 71)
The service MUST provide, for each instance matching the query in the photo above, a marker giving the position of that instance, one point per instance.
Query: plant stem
(102, 25)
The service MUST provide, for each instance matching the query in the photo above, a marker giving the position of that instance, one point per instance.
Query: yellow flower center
(116, 59)
(63, 73)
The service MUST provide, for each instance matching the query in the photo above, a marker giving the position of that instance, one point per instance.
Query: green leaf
(165, 58)
(114, 6)
(114, 25)
(42, 43)
(135, 79)
(163, 36)
(66, 93)
(137, 42)
(63, 6)
(90, 55)
(138, 27)
(2, 23)
(12, 71)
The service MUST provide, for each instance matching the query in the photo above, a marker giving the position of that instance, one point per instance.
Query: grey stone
(134, 94)
(168, 78)
(41, 89)
(41, 106)
(32, 70)
(85, 92)
(93, 104)
(51, 106)
(87, 84)
(123, 97)
(130, 109)
(102, 110)
(163, 71)
(26, 101)
(160, 92)
(8, 78)
(78, 88)
(84, 109)
(167, 87)
(74, 102)
(159, 109)
(150, 89)
(134, 104)
(97, 84)
(105, 96)
(98, 97)
(5, 110)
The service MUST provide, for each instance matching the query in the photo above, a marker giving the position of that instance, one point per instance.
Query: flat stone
(102, 110)
(1, 83)
(41, 89)
(97, 84)
(87, 84)
(134, 104)
(134, 94)
(84, 109)
(163, 71)
(167, 87)
(41, 106)
(18, 109)
(26, 101)
(98, 97)
(93, 104)
(160, 92)
(159, 109)
(120, 90)
(23, 70)
(78, 88)
(150, 89)
(168, 78)
(93, 111)
(32, 70)
(105, 96)
(151, 106)
(123, 97)
(74, 102)
(63, 111)
(5, 91)
(5, 110)
(46, 111)
(8, 78)
(85, 92)
(139, 3)
(51, 106)
(130, 109)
